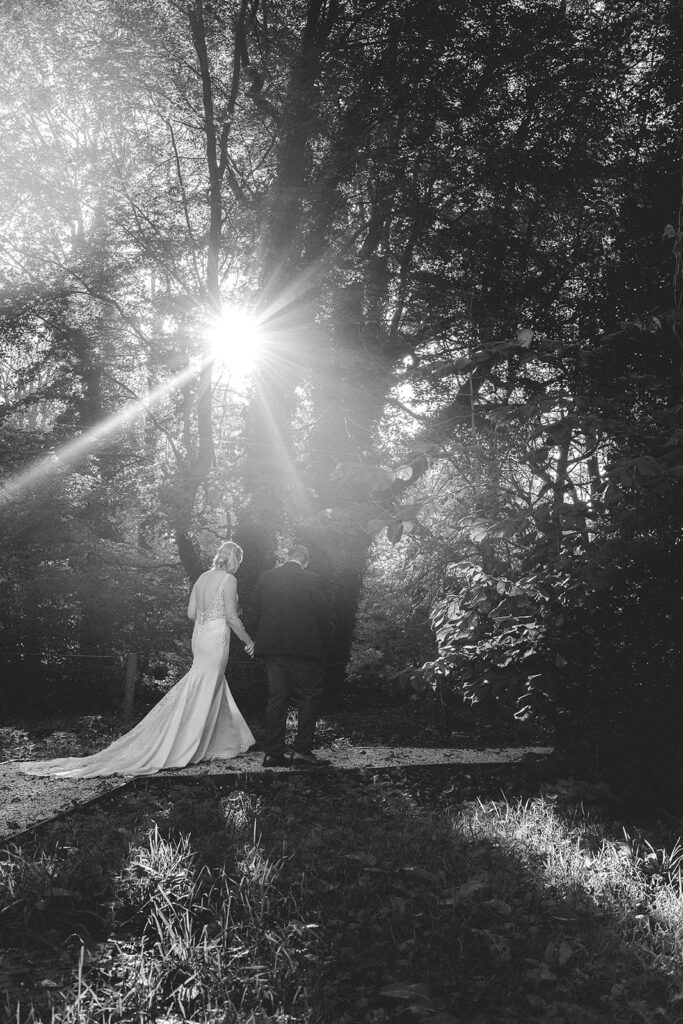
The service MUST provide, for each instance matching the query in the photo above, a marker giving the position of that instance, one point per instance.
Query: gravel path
(25, 799)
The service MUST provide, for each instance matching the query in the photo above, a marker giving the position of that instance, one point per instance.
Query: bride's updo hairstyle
(228, 557)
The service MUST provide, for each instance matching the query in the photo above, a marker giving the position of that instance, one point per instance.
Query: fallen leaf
(402, 990)
(467, 888)
(362, 858)
(539, 974)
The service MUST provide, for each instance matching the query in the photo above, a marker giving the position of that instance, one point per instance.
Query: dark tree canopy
(458, 226)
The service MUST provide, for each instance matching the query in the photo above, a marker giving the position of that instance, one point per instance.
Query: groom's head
(298, 553)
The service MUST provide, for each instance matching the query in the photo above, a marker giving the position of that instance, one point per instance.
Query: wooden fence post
(131, 674)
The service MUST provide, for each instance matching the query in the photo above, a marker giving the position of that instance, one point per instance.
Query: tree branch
(183, 193)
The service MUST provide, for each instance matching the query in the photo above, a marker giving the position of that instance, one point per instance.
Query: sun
(234, 341)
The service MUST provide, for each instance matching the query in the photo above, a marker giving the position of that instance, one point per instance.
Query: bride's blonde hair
(228, 556)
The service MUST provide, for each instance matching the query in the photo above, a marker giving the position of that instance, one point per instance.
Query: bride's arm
(192, 606)
(231, 616)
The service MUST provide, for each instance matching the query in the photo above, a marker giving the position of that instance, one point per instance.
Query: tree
(439, 240)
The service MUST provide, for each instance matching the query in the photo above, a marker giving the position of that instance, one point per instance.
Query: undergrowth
(337, 898)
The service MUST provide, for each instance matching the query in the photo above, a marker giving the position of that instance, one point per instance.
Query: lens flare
(234, 341)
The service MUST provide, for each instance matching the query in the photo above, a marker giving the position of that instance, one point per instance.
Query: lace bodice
(216, 609)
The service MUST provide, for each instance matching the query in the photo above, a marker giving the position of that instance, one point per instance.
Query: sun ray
(234, 342)
(299, 495)
(64, 457)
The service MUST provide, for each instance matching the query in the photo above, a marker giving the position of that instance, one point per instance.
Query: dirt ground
(391, 735)
(26, 800)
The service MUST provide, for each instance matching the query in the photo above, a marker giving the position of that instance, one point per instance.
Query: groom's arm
(254, 608)
(321, 608)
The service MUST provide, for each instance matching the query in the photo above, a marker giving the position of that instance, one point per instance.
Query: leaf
(564, 953)
(478, 532)
(362, 858)
(525, 337)
(395, 531)
(467, 888)
(404, 990)
(506, 528)
(403, 473)
(540, 974)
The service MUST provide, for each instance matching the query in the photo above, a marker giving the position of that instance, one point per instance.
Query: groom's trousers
(302, 680)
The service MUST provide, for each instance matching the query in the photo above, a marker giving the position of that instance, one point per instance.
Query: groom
(293, 622)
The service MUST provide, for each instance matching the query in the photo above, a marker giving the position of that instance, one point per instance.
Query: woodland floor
(459, 880)
(376, 737)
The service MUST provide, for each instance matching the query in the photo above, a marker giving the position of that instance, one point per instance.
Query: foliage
(460, 226)
(501, 640)
(392, 624)
(355, 899)
(555, 457)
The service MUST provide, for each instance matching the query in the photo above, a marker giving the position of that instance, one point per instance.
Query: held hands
(249, 648)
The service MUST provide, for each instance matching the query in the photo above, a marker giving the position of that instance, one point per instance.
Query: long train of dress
(197, 720)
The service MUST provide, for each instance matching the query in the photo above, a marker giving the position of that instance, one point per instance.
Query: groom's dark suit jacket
(292, 614)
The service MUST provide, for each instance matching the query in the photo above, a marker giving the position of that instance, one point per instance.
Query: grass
(355, 898)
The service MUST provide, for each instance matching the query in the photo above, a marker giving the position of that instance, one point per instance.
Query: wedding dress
(197, 719)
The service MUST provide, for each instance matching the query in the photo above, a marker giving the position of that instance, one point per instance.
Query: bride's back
(207, 587)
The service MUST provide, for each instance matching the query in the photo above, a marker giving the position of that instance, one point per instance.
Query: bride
(197, 720)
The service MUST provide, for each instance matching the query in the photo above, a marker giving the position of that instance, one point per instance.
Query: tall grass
(639, 887)
(192, 942)
(347, 905)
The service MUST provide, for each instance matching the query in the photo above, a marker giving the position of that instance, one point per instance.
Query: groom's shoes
(276, 761)
(309, 760)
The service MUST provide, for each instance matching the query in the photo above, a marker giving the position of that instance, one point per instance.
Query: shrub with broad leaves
(503, 640)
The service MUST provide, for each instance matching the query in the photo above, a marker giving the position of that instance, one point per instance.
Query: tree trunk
(277, 491)
(192, 471)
